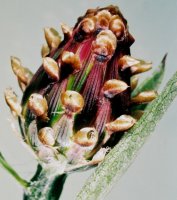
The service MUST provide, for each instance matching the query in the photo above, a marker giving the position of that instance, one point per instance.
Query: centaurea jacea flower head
(78, 104)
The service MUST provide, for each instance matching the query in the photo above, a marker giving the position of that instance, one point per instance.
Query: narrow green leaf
(11, 171)
(123, 154)
(153, 82)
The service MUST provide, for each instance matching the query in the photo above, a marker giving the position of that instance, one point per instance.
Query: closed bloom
(78, 103)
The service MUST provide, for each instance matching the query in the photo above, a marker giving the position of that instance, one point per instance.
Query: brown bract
(114, 87)
(105, 43)
(12, 102)
(72, 101)
(67, 31)
(71, 59)
(122, 123)
(23, 74)
(88, 25)
(87, 136)
(117, 26)
(38, 105)
(46, 136)
(103, 18)
(51, 68)
(144, 97)
(52, 37)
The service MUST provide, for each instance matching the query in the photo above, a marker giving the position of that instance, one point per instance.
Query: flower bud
(52, 37)
(83, 85)
(86, 137)
(144, 97)
(46, 136)
(38, 105)
(12, 101)
(72, 101)
(114, 87)
(71, 59)
(122, 123)
(51, 68)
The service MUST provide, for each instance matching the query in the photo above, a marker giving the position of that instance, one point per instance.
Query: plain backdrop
(153, 175)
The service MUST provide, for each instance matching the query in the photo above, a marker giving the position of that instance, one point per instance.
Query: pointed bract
(88, 25)
(71, 59)
(45, 50)
(23, 74)
(144, 97)
(51, 68)
(122, 123)
(46, 136)
(116, 25)
(12, 102)
(38, 105)
(141, 67)
(134, 82)
(67, 31)
(72, 101)
(114, 87)
(52, 37)
(86, 137)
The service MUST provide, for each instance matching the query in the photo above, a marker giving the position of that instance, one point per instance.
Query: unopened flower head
(79, 101)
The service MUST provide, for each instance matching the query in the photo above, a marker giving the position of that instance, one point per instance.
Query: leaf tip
(164, 60)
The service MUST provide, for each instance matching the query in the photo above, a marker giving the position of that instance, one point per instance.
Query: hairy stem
(122, 155)
(45, 185)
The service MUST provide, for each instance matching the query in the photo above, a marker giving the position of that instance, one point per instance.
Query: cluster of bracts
(78, 103)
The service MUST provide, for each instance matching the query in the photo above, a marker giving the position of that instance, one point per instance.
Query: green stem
(45, 185)
(122, 155)
(11, 171)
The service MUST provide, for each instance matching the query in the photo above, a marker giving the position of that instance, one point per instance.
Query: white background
(153, 175)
